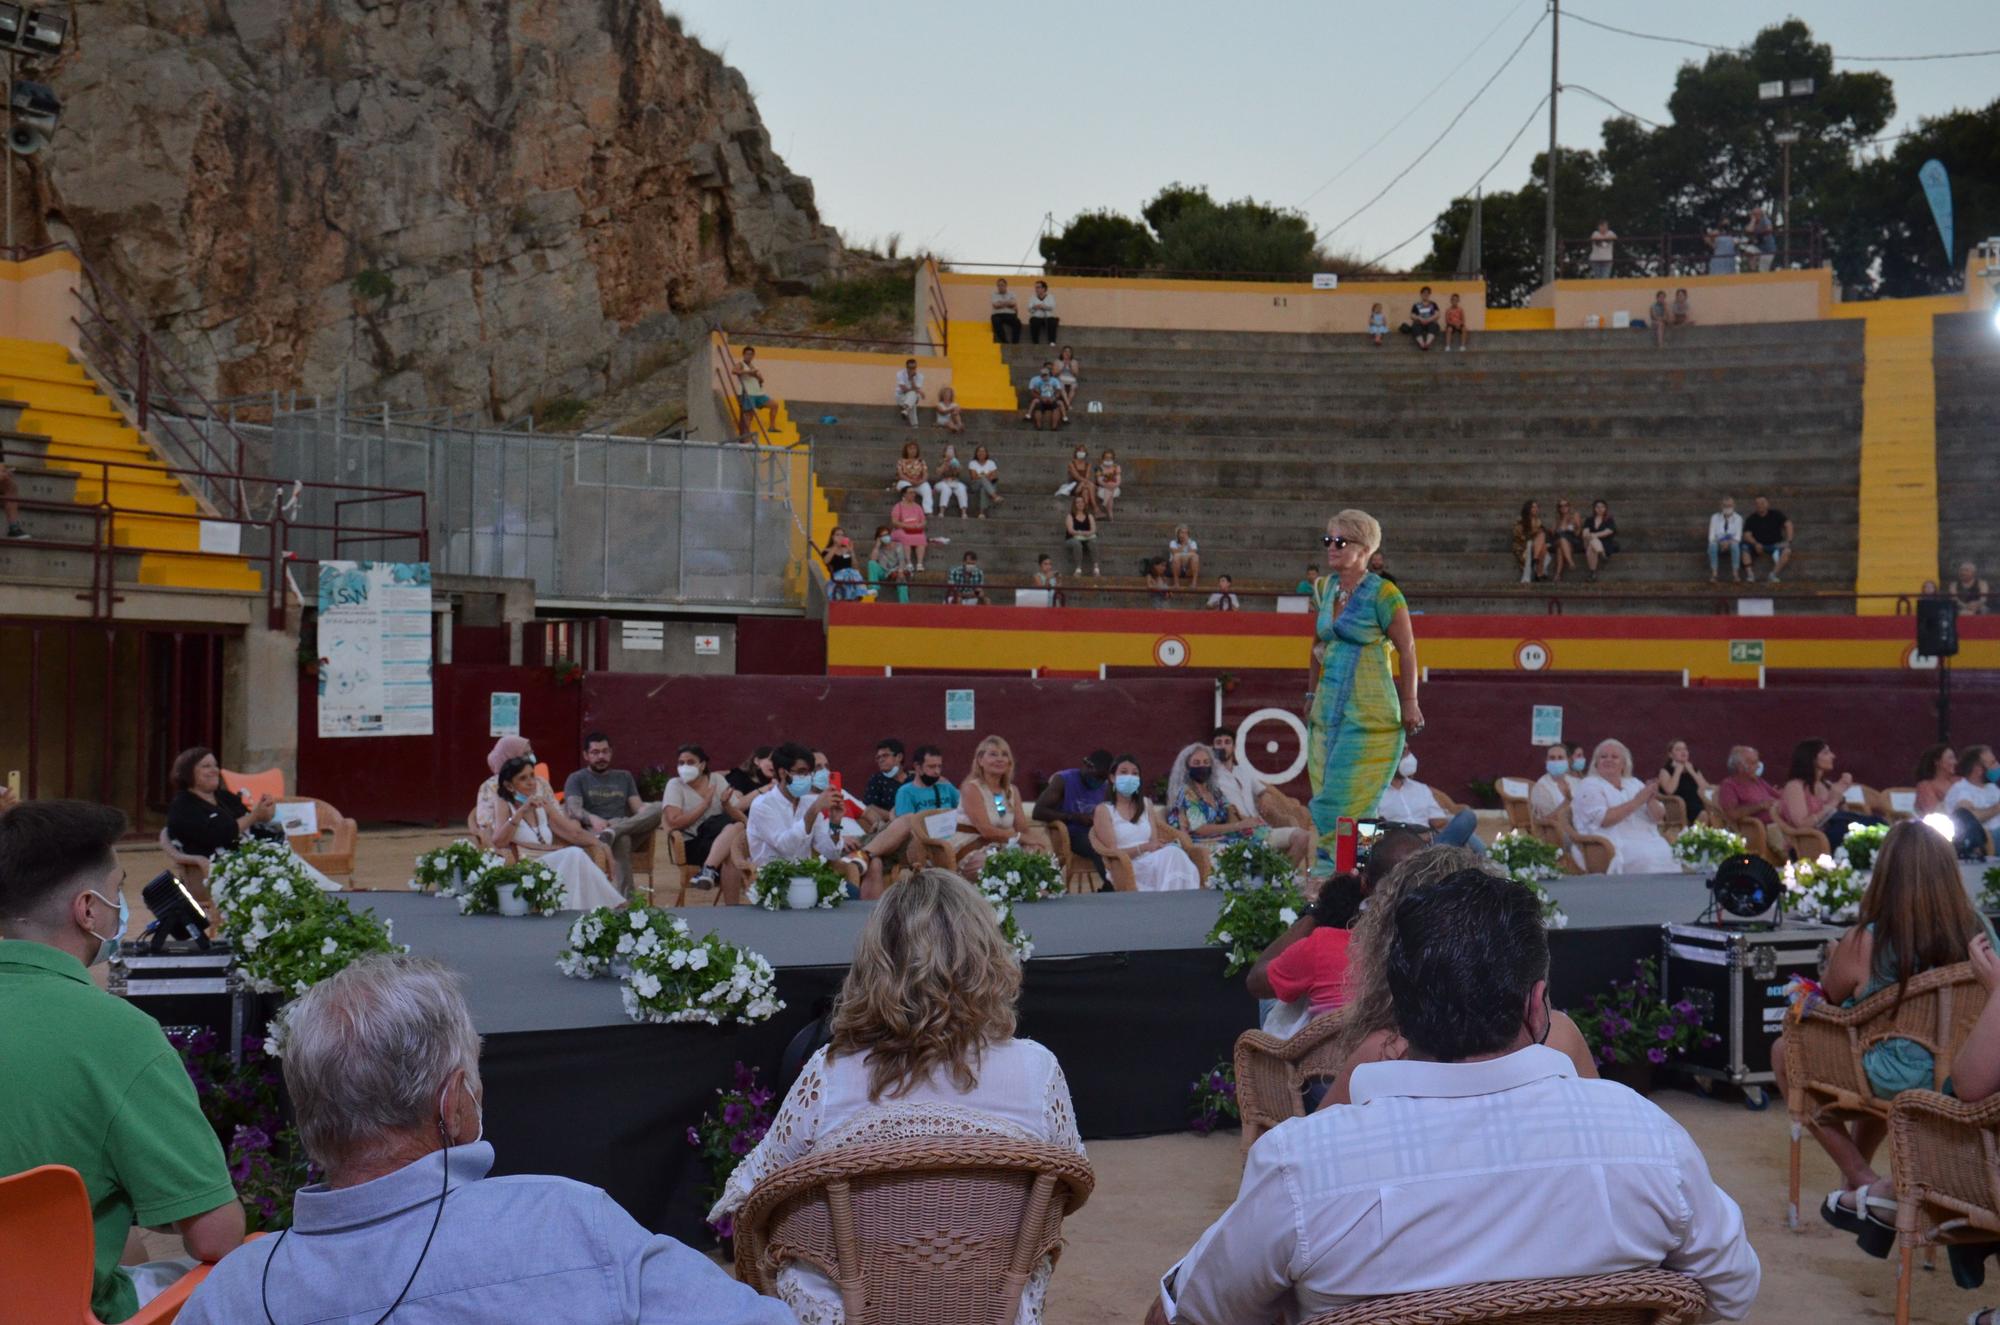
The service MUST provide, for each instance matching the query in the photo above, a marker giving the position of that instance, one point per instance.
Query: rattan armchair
(1804, 843)
(941, 1229)
(1118, 864)
(1272, 1074)
(329, 849)
(1632, 1297)
(1514, 800)
(1598, 853)
(1824, 1080)
(1946, 1157)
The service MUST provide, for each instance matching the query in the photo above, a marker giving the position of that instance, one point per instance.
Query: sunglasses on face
(1336, 540)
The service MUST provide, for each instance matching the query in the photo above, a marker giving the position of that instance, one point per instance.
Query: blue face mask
(1128, 783)
(1557, 768)
(107, 948)
(1578, 764)
(821, 779)
(1993, 773)
(1760, 768)
(800, 785)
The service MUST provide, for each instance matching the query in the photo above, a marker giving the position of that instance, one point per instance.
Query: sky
(961, 126)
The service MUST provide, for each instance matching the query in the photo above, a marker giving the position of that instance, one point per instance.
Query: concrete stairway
(1254, 439)
(1967, 364)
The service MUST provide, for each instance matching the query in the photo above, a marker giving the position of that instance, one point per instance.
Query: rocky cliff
(472, 203)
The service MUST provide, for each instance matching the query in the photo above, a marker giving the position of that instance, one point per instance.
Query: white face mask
(689, 772)
(1408, 768)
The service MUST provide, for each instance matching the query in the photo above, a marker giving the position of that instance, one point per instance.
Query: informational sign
(1545, 724)
(958, 711)
(707, 646)
(1170, 651)
(503, 713)
(300, 818)
(223, 536)
(375, 648)
(1326, 280)
(642, 636)
(1746, 651)
(1531, 655)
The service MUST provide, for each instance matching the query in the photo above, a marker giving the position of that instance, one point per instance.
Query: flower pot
(801, 892)
(458, 878)
(1638, 1076)
(511, 901)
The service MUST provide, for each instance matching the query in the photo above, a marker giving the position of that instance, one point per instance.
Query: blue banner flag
(1937, 188)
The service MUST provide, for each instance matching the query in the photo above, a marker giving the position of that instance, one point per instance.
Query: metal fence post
(681, 529)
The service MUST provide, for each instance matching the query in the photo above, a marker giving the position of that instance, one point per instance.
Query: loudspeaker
(1937, 627)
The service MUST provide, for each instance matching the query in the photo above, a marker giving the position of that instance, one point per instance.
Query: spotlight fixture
(36, 111)
(176, 915)
(12, 17)
(44, 33)
(1747, 889)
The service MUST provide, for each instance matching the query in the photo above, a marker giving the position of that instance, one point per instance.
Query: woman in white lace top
(893, 1069)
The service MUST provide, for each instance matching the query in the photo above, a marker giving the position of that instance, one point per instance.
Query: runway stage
(1122, 988)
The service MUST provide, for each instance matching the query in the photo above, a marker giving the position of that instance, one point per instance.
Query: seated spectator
(1937, 773)
(985, 480)
(950, 417)
(606, 802)
(1045, 404)
(922, 1045)
(1078, 480)
(1109, 480)
(1680, 315)
(1158, 585)
(1969, 590)
(1340, 1206)
(909, 517)
(1914, 917)
(1308, 962)
(10, 503)
(948, 482)
(1565, 537)
(991, 804)
(751, 394)
(89, 1080)
(1553, 789)
(1067, 369)
(1424, 319)
(1198, 806)
(1603, 244)
(1306, 582)
(1976, 794)
(1243, 785)
(913, 476)
(1814, 798)
(1454, 325)
(1657, 315)
(1046, 578)
(1223, 600)
(747, 781)
(1600, 537)
(1128, 823)
(886, 566)
(204, 816)
(927, 793)
(382, 1067)
(1725, 539)
(1928, 589)
(838, 554)
(800, 816)
(909, 390)
(1390, 848)
(523, 819)
(1006, 315)
(1043, 324)
(1612, 804)
(1744, 794)
(967, 582)
(1378, 325)
(695, 803)
(1680, 778)
(1071, 799)
(878, 798)
(1080, 533)
(1408, 801)
(1184, 557)
(1766, 533)
(1531, 543)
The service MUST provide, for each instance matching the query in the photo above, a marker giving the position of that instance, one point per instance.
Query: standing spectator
(1006, 315)
(1744, 794)
(1454, 325)
(1158, 584)
(1128, 823)
(838, 554)
(1531, 542)
(1680, 778)
(695, 802)
(1080, 532)
(1761, 236)
(1766, 533)
(878, 798)
(1600, 537)
(1378, 325)
(1657, 315)
(1378, 565)
(1408, 801)
(949, 416)
(1565, 537)
(968, 582)
(948, 481)
(1721, 252)
(909, 390)
(1046, 578)
(1042, 320)
(606, 801)
(1603, 244)
(909, 518)
(1680, 315)
(1067, 369)
(913, 476)
(1184, 557)
(1615, 805)
(1109, 479)
(1968, 590)
(1424, 319)
(1045, 406)
(1814, 798)
(985, 480)
(1069, 803)
(1725, 538)
(1222, 600)
(751, 395)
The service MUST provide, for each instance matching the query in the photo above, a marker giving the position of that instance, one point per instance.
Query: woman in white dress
(922, 1045)
(989, 813)
(1128, 824)
(1613, 804)
(519, 823)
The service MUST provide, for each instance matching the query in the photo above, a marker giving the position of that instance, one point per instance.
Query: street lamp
(1784, 92)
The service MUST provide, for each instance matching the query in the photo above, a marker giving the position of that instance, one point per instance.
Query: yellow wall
(1099, 301)
(842, 376)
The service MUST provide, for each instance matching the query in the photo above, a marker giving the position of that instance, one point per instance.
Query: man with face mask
(88, 1080)
(1071, 799)
(1408, 801)
(1244, 787)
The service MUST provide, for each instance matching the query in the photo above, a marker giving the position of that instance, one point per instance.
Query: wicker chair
(1598, 853)
(1271, 1074)
(331, 849)
(946, 1228)
(1078, 874)
(1674, 817)
(1787, 841)
(1902, 803)
(1514, 800)
(1119, 864)
(1824, 1080)
(1946, 1158)
(1632, 1297)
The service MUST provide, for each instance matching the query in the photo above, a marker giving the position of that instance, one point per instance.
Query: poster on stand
(374, 648)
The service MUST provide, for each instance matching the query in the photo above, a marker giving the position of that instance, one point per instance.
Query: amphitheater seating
(1967, 364)
(1253, 439)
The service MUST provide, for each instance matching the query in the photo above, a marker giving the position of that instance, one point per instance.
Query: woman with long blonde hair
(922, 1045)
(990, 814)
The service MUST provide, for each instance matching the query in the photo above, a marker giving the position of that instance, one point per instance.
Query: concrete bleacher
(1967, 365)
(1253, 439)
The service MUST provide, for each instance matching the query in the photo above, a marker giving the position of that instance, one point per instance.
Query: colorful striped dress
(1356, 720)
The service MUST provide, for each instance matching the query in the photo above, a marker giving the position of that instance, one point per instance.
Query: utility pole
(1555, 87)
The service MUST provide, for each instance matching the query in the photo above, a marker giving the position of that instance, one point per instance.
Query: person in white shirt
(1042, 319)
(1554, 787)
(1006, 314)
(1977, 790)
(800, 817)
(1477, 1157)
(1408, 801)
(1613, 804)
(909, 390)
(1725, 538)
(1223, 600)
(1603, 243)
(1245, 788)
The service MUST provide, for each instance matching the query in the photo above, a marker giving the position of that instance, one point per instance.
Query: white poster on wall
(374, 648)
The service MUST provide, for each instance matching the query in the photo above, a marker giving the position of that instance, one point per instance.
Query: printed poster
(375, 648)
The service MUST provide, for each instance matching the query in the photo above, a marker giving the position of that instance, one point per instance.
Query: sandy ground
(1155, 1196)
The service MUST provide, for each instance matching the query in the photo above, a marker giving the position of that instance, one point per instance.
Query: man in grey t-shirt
(606, 801)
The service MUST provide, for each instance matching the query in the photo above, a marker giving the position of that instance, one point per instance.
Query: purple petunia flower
(725, 1227)
(251, 1138)
(1607, 1055)
(732, 1115)
(739, 1144)
(694, 1138)
(1656, 1055)
(1666, 1032)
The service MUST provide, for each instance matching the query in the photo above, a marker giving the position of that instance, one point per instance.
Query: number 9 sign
(1170, 651)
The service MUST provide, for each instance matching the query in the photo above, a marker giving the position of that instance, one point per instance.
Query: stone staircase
(1967, 365)
(1253, 439)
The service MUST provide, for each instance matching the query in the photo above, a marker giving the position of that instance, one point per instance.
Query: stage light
(37, 110)
(1942, 825)
(176, 914)
(11, 18)
(1747, 888)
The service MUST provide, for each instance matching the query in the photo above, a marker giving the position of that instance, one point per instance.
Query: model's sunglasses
(1335, 540)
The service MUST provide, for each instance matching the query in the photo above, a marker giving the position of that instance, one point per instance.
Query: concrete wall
(38, 298)
(259, 672)
(849, 376)
(676, 656)
(1776, 296)
(1086, 301)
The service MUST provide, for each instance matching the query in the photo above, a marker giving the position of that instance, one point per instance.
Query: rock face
(471, 203)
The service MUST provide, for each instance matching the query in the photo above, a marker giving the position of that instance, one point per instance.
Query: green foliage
(1861, 844)
(653, 779)
(1989, 889)
(1097, 240)
(1250, 921)
(1526, 857)
(562, 412)
(1173, 202)
(371, 284)
(1633, 1023)
(1212, 1100)
(867, 298)
(771, 889)
(267, 1161)
(1016, 874)
(741, 1116)
(1248, 864)
(1241, 236)
(533, 882)
(1884, 239)
(1702, 847)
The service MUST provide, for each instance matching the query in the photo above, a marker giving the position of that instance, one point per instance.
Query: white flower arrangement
(1700, 847)
(1020, 941)
(704, 980)
(1525, 857)
(1015, 875)
(1242, 866)
(1251, 919)
(1858, 848)
(449, 869)
(533, 882)
(287, 934)
(771, 888)
(1825, 887)
(600, 940)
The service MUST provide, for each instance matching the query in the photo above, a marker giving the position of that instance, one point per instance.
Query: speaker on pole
(1937, 627)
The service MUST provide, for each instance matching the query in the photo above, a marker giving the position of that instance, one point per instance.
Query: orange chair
(47, 1248)
(270, 782)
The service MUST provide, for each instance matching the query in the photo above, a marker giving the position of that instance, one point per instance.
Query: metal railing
(940, 323)
(1054, 271)
(1670, 254)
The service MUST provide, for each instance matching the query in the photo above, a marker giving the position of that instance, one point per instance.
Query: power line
(1432, 224)
(1739, 49)
(1599, 96)
(1416, 104)
(1327, 233)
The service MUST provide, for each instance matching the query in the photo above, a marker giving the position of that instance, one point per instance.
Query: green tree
(1512, 226)
(1099, 239)
(1241, 236)
(1885, 241)
(1170, 203)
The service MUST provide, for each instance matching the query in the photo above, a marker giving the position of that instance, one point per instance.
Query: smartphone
(833, 782)
(14, 783)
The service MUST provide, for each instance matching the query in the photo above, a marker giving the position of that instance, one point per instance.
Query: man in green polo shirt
(88, 1080)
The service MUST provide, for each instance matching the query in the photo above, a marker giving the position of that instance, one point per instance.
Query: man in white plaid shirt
(1477, 1156)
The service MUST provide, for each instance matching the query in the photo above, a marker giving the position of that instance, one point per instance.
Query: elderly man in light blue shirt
(382, 1063)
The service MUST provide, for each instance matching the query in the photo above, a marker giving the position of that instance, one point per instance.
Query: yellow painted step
(79, 398)
(151, 494)
(35, 348)
(183, 571)
(64, 427)
(978, 373)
